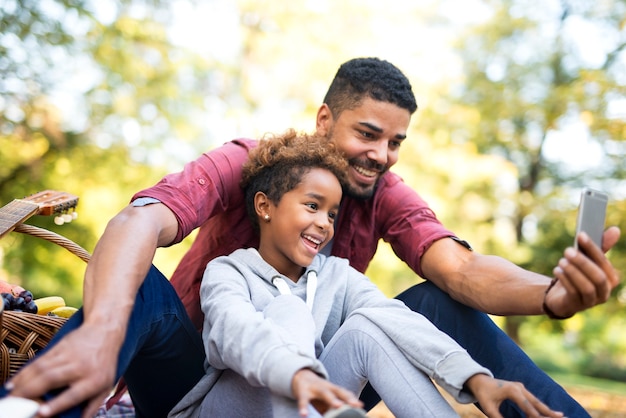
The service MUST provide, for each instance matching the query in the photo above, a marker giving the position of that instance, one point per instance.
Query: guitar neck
(15, 213)
(47, 202)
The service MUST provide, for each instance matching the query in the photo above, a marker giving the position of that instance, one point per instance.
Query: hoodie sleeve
(237, 336)
(424, 345)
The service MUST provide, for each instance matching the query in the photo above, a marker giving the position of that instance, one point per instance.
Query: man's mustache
(368, 164)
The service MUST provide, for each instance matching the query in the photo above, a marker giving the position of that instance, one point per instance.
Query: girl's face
(301, 224)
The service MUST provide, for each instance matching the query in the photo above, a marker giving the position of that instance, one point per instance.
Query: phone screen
(591, 215)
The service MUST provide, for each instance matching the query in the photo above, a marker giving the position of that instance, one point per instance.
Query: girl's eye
(312, 205)
(332, 216)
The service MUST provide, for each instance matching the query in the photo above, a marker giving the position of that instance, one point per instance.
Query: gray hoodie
(235, 290)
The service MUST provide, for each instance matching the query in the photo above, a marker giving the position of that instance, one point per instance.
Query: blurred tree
(80, 84)
(540, 91)
(93, 93)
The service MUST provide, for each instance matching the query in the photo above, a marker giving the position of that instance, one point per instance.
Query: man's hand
(83, 363)
(309, 388)
(585, 276)
(491, 392)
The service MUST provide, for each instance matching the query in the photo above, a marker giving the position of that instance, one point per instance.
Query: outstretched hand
(310, 388)
(82, 364)
(491, 392)
(585, 276)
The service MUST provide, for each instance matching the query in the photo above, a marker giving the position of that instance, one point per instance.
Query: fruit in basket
(7, 301)
(18, 303)
(48, 303)
(13, 289)
(31, 307)
(63, 311)
(27, 295)
(16, 298)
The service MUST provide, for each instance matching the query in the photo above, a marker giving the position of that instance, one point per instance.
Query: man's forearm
(496, 286)
(118, 267)
(487, 283)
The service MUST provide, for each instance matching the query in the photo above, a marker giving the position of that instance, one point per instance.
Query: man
(366, 112)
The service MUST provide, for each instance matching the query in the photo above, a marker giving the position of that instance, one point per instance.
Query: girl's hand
(491, 392)
(310, 388)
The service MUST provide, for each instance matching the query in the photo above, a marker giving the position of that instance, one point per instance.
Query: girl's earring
(266, 217)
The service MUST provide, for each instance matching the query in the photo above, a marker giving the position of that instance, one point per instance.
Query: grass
(601, 398)
(590, 383)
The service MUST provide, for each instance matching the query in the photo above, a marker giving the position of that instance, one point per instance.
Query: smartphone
(591, 215)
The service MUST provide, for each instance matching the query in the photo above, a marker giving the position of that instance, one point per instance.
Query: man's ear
(324, 120)
(261, 204)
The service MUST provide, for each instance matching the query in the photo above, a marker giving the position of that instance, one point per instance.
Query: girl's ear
(261, 205)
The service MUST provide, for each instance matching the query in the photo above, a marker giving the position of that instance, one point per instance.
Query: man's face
(370, 136)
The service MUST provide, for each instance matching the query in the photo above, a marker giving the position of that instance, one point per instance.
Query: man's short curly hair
(278, 164)
(360, 78)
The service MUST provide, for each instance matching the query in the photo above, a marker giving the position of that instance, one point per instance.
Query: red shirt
(206, 194)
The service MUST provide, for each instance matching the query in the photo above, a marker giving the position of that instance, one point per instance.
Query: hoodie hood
(282, 283)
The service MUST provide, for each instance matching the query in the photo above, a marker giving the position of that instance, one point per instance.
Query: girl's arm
(239, 337)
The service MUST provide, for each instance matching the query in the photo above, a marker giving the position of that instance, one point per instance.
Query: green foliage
(481, 148)
(526, 78)
(485, 157)
(40, 150)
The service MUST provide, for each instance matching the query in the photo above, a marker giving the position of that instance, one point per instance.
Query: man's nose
(378, 152)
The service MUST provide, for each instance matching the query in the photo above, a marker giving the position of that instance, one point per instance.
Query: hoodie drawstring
(311, 287)
(282, 286)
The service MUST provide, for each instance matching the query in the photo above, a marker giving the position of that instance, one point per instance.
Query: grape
(9, 300)
(19, 303)
(31, 307)
(27, 295)
(6, 301)
(22, 303)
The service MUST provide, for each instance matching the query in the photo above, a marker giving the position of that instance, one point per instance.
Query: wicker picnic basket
(23, 334)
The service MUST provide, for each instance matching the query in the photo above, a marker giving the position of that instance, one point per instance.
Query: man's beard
(356, 192)
(359, 193)
(363, 193)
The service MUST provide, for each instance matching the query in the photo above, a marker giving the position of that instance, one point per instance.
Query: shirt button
(201, 181)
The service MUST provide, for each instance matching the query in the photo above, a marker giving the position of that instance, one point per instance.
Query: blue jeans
(488, 345)
(162, 357)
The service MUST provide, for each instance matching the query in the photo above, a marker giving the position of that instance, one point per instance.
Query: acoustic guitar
(47, 203)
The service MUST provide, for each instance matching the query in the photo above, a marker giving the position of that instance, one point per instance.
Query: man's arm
(494, 285)
(85, 360)
(121, 261)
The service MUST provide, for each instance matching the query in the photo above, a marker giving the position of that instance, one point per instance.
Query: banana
(63, 311)
(48, 304)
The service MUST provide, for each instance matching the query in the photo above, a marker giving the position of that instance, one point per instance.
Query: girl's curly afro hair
(278, 164)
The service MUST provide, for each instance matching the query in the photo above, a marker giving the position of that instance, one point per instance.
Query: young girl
(292, 331)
